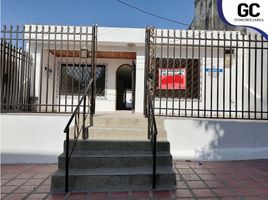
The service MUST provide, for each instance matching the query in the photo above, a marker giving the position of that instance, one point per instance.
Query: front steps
(115, 166)
(123, 127)
(117, 156)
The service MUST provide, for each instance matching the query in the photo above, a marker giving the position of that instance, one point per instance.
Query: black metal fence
(208, 74)
(32, 58)
(15, 77)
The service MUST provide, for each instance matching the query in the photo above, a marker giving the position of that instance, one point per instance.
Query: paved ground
(211, 180)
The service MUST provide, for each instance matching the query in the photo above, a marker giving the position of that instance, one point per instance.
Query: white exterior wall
(38, 138)
(139, 93)
(32, 138)
(217, 139)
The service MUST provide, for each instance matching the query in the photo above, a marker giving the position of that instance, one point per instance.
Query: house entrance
(124, 94)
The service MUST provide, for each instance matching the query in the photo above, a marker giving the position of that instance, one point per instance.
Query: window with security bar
(177, 78)
(75, 77)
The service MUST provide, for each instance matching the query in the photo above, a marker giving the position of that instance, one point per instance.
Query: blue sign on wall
(214, 70)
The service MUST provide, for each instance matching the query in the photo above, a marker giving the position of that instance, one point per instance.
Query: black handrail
(77, 130)
(152, 128)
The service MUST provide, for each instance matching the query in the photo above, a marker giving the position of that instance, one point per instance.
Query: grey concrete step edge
(113, 162)
(89, 145)
(87, 182)
(120, 188)
(118, 128)
(117, 131)
(124, 127)
(124, 119)
(123, 124)
(115, 154)
(120, 171)
(119, 123)
(107, 179)
(140, 118)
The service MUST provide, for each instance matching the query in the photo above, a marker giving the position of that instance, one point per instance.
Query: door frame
(133, 83)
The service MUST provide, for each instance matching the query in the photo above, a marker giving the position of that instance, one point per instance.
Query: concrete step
(89, 160)
(125, 122)
(134, 134)
(101, 133)
(121, 127)
(118, 146)
(105, 165)
(102, 179)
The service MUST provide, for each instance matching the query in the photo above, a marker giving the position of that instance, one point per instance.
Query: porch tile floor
(247, 180)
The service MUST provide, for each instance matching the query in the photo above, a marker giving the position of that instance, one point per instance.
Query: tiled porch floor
(212, 180)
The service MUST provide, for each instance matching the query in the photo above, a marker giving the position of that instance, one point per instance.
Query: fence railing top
(46, 28)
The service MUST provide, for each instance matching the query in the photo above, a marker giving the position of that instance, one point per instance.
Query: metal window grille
(75, 78)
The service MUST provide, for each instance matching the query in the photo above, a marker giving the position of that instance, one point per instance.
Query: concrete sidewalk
(211, 180)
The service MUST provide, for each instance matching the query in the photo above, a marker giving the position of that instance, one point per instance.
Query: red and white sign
(172, 78)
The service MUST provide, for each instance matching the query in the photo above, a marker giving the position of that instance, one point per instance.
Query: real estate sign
(172, 78)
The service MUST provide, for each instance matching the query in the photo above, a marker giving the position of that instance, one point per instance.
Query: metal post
(148, 110)
(85, 135)
(67, 162)
(91, 107)
(154, 160)
(133, 83)
(146, 70)
(93, 67)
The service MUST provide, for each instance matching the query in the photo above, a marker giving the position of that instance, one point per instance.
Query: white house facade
(214, 103)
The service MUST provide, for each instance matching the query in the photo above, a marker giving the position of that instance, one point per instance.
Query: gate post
(146, 67)
(133, 82)
(93, 68)
(149, 54)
